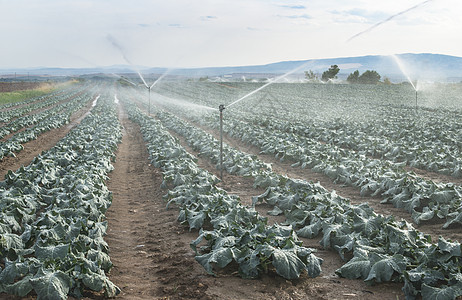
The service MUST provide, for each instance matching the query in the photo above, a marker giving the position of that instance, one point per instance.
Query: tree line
(368, 77)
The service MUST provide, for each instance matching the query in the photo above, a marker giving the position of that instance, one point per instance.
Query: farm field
(329, 192)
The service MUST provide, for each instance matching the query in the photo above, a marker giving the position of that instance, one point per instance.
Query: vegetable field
(329, 191)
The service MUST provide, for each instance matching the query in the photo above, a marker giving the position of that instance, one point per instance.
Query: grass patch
(21, 95)
(17, 96)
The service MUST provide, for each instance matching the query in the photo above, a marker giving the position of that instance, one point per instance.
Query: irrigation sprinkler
(149, 103)
(221, 108)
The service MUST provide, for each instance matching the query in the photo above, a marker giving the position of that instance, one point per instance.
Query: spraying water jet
(271, 82)
(388, 19)
(222, 107)
(406, 74)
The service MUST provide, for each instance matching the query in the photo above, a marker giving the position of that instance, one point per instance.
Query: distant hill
(417, 66)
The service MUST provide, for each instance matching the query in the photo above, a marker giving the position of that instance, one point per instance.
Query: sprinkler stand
(149, 107)
(221, 108)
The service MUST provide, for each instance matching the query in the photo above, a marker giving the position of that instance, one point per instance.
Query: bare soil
(18, 86)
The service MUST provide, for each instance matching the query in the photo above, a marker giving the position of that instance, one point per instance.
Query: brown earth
(19, 86)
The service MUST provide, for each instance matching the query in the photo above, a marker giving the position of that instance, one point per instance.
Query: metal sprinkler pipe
(415, 100)
(149, 107)
(221, 108)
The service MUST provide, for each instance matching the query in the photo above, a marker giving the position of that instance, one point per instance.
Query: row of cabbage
(319, 102)
(44, 121)
(228, 231)
(26, 106)
(376, 120)
(421, 141)
(52, 214)
(28, 119)
(424, 199)
(377, 248)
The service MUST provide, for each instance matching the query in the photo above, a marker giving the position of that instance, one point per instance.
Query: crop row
(376, 122)
(33, 99)
(44, 121)
(422, 142)
(382, 249)
(424, 199)
(52, 214)
(237, 233)
(36, 103)
(30, 119)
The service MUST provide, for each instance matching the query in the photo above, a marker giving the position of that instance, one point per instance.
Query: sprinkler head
(221, 107)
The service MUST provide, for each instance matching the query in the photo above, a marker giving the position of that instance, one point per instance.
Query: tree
(353, 77)
(331, 73)
(386, 81)
(370, 77)
(309, 75)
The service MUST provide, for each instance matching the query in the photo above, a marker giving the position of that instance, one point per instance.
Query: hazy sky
(198, 33)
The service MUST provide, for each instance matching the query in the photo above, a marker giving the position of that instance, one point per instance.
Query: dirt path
(149, 249)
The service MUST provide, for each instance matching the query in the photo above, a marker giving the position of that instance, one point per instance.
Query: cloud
(208, 18)
(304, 16)
(160, 33)
(175, 25)
(358, 15)
(293, 6)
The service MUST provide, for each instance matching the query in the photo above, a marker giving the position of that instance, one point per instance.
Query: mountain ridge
(413, 65)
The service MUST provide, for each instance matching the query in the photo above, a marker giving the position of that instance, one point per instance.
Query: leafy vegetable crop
(238, 233)
(52, 214)
(54, 117)
(424, 199)
(376, 248)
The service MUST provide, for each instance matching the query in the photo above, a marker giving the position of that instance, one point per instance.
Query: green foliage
(239, 234)
(387, 81)
(20, 96)
(58, 109)
(311, 76)
(52, 214)
(50, 285)
(368, 77)
(353, 77)
(382, 249)
(331, 73)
